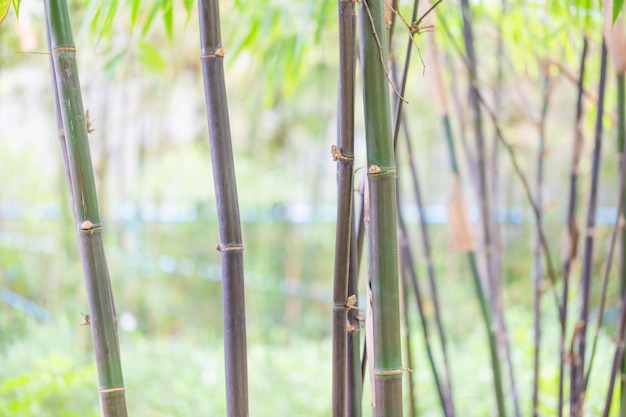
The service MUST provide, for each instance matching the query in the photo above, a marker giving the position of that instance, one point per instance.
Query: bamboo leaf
(134, 12)
(149, 18)
(111, 11)
(4, 9)
(168, 18)
(188, 6)
(16, 7)
(618, 5)
(150, 57)
(110, 65)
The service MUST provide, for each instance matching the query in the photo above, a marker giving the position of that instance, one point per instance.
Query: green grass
(47, 371)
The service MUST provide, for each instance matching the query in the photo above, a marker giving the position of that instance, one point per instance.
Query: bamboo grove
(377, 285)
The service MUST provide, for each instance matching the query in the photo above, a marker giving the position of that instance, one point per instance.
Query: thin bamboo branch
(572, 227)
(496, 229)
(427, 255)
(407, 343)
(86, 214)
(537, 269)
(408, 275)
(607, 272)
(579, 361)
(424, 235)
(518, 172)
(231, 246)
(484, 197)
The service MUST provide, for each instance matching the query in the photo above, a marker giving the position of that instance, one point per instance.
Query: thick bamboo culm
(86, 214)
(343, 153)
(231, 246)
(383, 260)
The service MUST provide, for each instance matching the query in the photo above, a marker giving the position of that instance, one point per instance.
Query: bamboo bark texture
(343, 153)
(86, 214)
(230, 247)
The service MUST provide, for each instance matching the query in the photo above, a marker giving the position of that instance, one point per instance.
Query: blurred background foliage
(139, 67)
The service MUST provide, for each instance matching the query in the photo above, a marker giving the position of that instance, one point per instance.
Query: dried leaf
(459, 226)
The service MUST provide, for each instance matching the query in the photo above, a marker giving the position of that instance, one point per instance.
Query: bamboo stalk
(354, 383)
(607, 271)
(427, 254)
(621, 138)
(484, 203)
(86, 214)
(230, 247)
(537, 268)
(496, 229)
(388, 369)
(616, 46)
(579, 361)
(408, 346)
(343, 153)
(572, 227)
(408, 275)
(448, 403)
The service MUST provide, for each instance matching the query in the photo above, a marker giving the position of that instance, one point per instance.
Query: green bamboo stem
(617, 359)
(388, 369)
(408, 352)
(572, 227)
(343, 153)
(409, 276)
(230, 247)
(485, 207)
(59, 121)
(537, 267)
(607, 271)
(621, 139)
(496, 230)
(87, 217)
(579, 361)
(448, 403)
(467, 245)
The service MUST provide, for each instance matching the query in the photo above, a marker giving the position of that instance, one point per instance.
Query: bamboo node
(64, 49)
(375, 169)
(86, 320)
(350, 328)
(351, 302)
(111, 390)
(229, 248)
(88, 123)
(338, 156)
(218, 53)
(390, 372)
(87, 225)
(590, 231)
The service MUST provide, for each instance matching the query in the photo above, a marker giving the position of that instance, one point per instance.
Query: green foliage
(618, 5)
(150, 58)
(16, 7)
(4, 9)
(56, 384)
